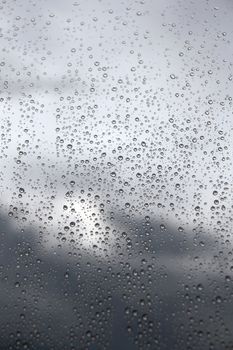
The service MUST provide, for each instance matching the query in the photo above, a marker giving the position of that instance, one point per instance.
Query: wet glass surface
(116, 175)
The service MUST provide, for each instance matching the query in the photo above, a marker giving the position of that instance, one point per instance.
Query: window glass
(116, 175)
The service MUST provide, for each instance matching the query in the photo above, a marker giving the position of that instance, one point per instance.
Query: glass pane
(116, 175)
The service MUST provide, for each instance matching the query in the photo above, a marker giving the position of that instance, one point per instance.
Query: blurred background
(116, 175)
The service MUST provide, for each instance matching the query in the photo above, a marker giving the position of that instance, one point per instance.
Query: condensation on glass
(116, 175)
